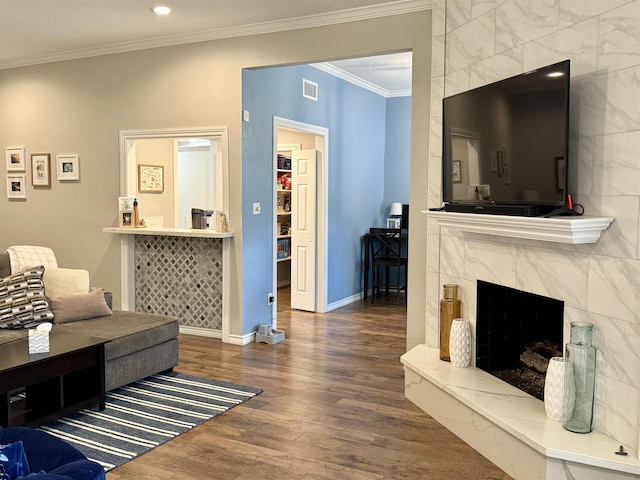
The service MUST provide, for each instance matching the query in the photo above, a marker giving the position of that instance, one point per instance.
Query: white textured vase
(559, 396)
(460, 343)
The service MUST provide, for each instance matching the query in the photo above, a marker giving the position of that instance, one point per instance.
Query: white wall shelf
(572, 230)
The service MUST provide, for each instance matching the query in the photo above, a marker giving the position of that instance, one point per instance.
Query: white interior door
(303, 226)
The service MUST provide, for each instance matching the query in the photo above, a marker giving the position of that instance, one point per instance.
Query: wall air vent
(309, 89)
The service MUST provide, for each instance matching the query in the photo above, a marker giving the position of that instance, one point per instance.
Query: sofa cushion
(79, 307)
(7, 336)
(22, 300)
(62, 282)
(5, 265)
(128, 331)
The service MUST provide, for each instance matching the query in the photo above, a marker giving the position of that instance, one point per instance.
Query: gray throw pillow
(80, 307)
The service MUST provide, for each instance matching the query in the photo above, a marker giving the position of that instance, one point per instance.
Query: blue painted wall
(397, 151)
(356, 119)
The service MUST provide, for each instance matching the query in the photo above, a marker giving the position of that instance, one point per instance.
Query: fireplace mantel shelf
(573, 230)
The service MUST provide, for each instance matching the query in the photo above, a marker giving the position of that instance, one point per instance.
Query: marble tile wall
(476, 42)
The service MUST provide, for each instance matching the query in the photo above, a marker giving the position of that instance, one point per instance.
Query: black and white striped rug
(144, 414)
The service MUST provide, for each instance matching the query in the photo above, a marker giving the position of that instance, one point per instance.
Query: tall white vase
(460, 343)
(559, 396)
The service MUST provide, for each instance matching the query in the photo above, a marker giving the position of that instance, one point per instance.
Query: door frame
(322, 217)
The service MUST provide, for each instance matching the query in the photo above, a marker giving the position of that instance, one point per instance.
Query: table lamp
(395, 214)
(395, 210)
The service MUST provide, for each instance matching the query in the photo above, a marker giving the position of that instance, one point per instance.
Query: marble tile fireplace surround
(478, 42)
(503, 423)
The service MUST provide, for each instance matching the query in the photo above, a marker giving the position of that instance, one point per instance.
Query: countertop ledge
(170, 232)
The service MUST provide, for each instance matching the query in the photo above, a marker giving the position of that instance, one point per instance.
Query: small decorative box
(39, 338)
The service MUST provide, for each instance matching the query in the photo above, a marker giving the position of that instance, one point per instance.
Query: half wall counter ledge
(179, 272)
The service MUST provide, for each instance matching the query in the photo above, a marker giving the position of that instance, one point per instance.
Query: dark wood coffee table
(38, 388)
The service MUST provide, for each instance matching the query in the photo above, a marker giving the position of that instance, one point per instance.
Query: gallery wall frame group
(17, 166)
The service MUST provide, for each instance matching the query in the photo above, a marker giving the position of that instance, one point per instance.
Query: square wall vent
(309, 89)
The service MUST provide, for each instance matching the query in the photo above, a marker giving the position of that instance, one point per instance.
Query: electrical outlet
(270, 299)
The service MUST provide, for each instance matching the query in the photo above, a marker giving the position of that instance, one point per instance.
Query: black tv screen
(506, 143)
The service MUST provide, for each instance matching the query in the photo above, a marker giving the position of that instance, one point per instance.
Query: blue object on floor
(55, 457)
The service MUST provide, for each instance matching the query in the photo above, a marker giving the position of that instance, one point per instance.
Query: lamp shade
(396, 210)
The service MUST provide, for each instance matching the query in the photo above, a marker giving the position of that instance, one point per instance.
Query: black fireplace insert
(516, 334)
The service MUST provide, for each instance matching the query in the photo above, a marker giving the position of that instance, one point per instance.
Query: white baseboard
(345, 301)
(250, 337)
(201, 332)
(205, 332)
(242, 339)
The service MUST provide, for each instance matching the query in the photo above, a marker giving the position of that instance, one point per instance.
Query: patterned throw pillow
(22, 300)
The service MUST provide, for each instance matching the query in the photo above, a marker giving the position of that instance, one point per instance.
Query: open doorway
(367, 172)
(292, 138)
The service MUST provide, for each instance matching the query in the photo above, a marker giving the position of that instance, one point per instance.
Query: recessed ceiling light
(161, 10)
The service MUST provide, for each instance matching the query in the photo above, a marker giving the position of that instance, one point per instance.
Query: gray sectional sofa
(140, 344)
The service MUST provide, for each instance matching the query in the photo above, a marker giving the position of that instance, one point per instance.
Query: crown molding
(360, 82)
(399, 93)
(350, 15)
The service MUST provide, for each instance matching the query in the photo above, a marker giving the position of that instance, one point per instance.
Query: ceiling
(42, 31)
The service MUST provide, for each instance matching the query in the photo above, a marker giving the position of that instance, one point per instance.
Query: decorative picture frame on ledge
(125, 219)
(41, 169)
(14, 157)
(68, 168)
(16, 186)
(150, 178)
(126, 203)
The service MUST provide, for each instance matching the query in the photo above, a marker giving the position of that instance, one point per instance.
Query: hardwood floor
(332, 408)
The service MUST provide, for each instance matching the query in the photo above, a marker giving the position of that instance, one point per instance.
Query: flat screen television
(505, 145)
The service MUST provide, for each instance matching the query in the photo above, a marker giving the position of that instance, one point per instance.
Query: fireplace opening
(516, 334)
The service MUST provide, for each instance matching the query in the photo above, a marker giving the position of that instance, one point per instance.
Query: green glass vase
(581, 355)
